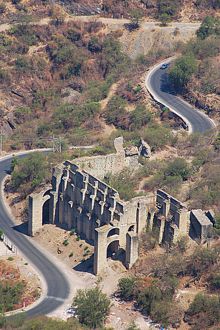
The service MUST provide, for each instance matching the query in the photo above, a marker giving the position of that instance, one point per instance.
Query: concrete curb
(161, 101)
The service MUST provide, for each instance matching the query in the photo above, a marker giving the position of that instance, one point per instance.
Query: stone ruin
(79, 199)
(173, 220)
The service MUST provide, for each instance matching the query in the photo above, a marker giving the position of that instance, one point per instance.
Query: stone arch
(113, 231)
(131, 228)
(45, 212)
(46, 207)
(112, 249)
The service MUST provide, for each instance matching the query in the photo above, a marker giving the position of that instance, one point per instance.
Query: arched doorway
(112, 250)
(45, 212)
(115, 252)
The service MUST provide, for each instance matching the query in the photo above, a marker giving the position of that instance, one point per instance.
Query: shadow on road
(165, 85)
(22, 228)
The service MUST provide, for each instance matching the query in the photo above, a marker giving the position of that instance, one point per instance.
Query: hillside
(183, 10)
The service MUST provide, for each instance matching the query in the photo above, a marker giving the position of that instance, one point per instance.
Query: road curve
(58, 288)
(157, 84)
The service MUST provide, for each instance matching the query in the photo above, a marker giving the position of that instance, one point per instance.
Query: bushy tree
(29, 172)
(209, 26)
(126, 287)
(147, 298)
(92, 307)
(214, 281)
(204, 311)
(178, 167)
(182, 71)
(139, 117)
(167, 9)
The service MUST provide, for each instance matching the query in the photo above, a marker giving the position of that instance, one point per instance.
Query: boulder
(131, 151)
(144, 149)
(69, 95)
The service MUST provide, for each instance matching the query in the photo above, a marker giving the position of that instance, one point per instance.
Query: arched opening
(45, 212)
(131, 228)
(113, 231)
(115, 252)
(113, 249)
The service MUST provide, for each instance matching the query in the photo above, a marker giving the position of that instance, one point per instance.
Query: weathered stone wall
(200, 225)
(80, 200)
(174, 220)
(100, 166)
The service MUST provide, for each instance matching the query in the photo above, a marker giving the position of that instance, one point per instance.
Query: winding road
(58, 288)
(157, 85)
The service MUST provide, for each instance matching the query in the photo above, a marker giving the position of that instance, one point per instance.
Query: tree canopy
(182, 71)
(92, 307)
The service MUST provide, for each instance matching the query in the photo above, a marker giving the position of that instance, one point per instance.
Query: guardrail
(9, 245)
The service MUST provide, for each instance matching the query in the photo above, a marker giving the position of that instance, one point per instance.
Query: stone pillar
(69, 214)
(100, 249)
(162, 227)
(35, 212)
(151, 220)
(131, 249)
(61, 202)
(166, 207)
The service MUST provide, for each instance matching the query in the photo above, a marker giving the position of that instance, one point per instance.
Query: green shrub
(148, 297)
(209, 26)
(167, 9)
(178, 168)
(115, 111)
(126, 288)
(22, 64)
(65, 242)
(92, 307)
(204, 311)
(182, 71)
(25, 33)
(139, 117)
(201, 260)
(157, 136)
(10, 258)
(214, 281)
(10, 295)
(124, 183)
(4, 76)
(29, 172)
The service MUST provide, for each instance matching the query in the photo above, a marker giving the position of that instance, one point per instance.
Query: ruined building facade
(80, 199)
(173, 219)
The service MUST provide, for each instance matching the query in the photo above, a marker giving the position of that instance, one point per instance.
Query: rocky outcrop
(144, 149)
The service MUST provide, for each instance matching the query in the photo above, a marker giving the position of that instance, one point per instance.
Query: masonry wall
(100, 166)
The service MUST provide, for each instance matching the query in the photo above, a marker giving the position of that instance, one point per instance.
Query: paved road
(57, 285)
(158, 86)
